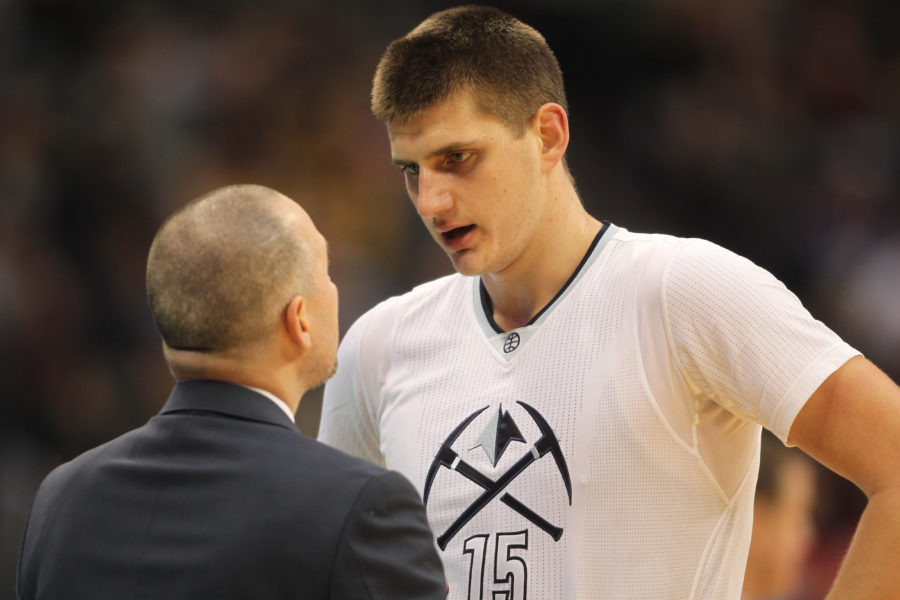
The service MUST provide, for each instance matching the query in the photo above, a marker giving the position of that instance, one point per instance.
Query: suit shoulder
(91, 458)
(334, 463)
(82, 470)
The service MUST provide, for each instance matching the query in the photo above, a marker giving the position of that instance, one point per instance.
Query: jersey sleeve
(743, 339)
(351, 402)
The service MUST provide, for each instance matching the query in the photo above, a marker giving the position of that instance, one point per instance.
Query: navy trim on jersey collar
(488, 306)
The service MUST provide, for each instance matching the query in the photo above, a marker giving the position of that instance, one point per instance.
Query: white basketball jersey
(610, 448)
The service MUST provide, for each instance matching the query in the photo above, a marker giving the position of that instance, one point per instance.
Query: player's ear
(296, 322)
(553, 127)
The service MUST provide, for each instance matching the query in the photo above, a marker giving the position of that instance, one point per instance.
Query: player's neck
(523, 289)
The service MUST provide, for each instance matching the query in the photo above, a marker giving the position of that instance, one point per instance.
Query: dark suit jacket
(220, 497)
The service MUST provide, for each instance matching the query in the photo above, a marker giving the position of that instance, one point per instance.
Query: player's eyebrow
(445, 149)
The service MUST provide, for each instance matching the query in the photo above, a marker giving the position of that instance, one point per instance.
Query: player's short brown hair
(222, 268)
(506, 63)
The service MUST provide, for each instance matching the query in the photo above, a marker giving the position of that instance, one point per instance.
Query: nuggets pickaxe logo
(447, 457)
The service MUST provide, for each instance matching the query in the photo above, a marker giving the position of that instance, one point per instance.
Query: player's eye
(410, 169)
(458, 157)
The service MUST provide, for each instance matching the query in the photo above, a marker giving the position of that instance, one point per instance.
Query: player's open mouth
(458, 232)
(457, 238)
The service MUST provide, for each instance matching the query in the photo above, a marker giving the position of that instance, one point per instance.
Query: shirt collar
(278, 401)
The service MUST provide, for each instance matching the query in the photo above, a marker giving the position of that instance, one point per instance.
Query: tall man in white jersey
(580, 406)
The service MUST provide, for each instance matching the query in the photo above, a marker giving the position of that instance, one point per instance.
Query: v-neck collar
(484, 309)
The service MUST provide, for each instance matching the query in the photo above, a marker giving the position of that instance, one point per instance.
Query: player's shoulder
(666, 248)
(689, 271)
(384, 315)
(635, 241)
(663, 262)
(426, 293)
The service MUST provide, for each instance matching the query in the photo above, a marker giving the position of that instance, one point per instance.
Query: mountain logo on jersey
(496, 438)
(499, 432)
(512, 342)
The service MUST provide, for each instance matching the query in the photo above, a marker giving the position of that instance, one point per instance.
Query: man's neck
(280, 382)
(521, 291)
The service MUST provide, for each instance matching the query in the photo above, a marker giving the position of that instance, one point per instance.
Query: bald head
(221, 269)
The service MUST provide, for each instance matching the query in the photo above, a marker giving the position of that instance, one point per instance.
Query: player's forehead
(454, 122)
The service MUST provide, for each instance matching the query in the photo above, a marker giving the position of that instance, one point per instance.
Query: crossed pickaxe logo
(448, 457)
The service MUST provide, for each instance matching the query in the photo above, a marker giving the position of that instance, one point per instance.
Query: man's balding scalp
(221, 269)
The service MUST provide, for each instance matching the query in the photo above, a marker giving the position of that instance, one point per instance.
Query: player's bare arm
(851, 424)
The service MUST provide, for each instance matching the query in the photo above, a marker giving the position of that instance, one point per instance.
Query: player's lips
(456, 238)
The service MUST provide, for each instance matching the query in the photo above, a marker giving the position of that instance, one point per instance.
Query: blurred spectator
(783, 526)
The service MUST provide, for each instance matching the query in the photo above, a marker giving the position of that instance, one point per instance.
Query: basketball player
(580, 405)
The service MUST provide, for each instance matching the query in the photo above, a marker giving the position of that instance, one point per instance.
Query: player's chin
(466, 263)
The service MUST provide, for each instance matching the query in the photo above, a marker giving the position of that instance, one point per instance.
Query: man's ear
(553, 127)
(296, 322)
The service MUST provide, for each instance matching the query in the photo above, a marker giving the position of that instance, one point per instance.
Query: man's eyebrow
(445, 149)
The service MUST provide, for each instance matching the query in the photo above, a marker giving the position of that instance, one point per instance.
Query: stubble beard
(329, 373)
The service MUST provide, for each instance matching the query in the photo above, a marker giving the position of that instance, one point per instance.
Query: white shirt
(278, 401)
(610, 448)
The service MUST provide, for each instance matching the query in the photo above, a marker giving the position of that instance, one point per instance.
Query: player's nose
(434, 196)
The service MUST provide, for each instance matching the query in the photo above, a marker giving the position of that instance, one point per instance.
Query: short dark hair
(221, 269)
(506, 64)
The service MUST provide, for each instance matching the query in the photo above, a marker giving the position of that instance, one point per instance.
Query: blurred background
(771, 127)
